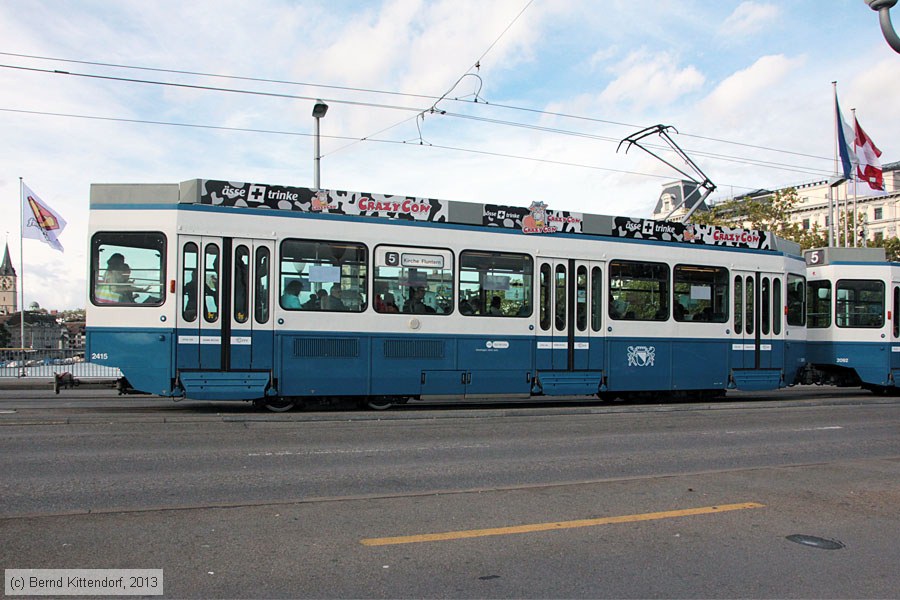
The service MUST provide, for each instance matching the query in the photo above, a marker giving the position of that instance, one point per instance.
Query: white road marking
(363, 450)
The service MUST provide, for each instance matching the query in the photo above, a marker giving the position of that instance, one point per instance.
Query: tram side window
(128, 268)
(413, 280)
(261, 309)
(545, 296)
(638, 291)
(796, 300)
(777, 312)
(211, 283)
(738, 304)
(596, 297)
(496, 284)
(896, 313)
(818, 304)
(190, 278)
(765, 306)
(320, 275)
(859, 303)
(241, 283)
(701, 293)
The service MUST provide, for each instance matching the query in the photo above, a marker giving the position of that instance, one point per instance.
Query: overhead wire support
(699, 177)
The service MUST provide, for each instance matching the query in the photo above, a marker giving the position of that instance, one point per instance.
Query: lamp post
(318, 112)
(883, 7)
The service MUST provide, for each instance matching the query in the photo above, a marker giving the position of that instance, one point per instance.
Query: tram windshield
(128, 268)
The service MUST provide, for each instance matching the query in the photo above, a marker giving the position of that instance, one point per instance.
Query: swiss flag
(868, 169)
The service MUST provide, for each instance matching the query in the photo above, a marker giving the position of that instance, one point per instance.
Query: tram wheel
(379, 402)
(279, 404)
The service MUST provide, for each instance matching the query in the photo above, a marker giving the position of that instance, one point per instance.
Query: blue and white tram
(232, 291)
(853, 325)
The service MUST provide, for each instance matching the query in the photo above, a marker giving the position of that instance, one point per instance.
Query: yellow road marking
(474, 533)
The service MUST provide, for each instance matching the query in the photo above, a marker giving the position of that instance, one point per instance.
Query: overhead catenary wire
(418, 111)
(339, 137)
(535, 111)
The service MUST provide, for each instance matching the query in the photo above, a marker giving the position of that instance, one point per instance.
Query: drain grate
(815, 542)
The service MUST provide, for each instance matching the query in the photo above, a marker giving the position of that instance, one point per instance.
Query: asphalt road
(644, 500)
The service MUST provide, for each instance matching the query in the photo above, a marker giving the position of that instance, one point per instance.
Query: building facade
(9, 285)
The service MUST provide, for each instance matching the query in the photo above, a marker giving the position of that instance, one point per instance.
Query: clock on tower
(6, 283)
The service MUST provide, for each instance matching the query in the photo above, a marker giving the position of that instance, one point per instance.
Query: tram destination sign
(712, 235)
(334, 202)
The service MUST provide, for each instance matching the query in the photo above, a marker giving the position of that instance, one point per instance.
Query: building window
(805, 224)
(879, 213)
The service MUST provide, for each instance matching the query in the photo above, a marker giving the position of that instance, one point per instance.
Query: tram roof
(536, 219)
(833, 256)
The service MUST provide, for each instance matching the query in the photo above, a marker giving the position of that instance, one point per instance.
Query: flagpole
(855, 209)
(837, 117)
(22, 273)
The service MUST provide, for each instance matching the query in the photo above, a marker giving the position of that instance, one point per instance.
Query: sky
(747, 85)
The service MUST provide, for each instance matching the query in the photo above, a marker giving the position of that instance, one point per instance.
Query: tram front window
(128, 268)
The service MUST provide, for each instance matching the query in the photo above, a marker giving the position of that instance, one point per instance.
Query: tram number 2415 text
(99, 356)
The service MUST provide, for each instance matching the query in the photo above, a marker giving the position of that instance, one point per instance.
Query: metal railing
(21, 363)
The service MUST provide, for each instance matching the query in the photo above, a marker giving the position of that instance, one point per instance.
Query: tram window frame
(796, 307)
(262, 284)
(240, 284)
(627, 303)
(738, 304)
(146, 276)
(750, 283)
(816, 318)
(406, 265)
(560, 291)
(518, 270)
(896, 314)
(581, 298)
(856, 312)
(697, 288)
(596, 298)
(765, 305)
(777, 311)
(546, 295)
(211, 282)
(190, 290)
(352, 274)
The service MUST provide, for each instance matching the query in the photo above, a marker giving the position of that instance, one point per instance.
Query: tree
(5, 337)
(891, 247)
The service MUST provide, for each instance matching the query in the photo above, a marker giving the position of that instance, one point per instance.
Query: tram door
(251, 339)
(570, 301)
(225, 297)
(758, 320)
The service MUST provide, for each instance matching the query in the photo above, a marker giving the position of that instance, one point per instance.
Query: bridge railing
(48, 363)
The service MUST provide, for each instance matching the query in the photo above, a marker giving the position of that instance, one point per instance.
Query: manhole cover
(815, 542)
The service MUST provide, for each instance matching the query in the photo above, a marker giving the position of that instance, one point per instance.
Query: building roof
(6, 267)
(677, 191)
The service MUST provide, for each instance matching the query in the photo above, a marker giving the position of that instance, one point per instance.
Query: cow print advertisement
(334, 202)
(712, 235)
(534, 219)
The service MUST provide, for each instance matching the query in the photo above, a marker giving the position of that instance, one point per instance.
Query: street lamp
(883, 7)
(318, 112)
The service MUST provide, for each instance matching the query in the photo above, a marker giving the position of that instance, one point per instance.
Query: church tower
(8, 285)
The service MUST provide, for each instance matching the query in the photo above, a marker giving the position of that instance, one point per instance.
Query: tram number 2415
(99, 356)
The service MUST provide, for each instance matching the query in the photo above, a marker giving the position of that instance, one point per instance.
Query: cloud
(645, 79)
(743, 90)
(749, 18)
